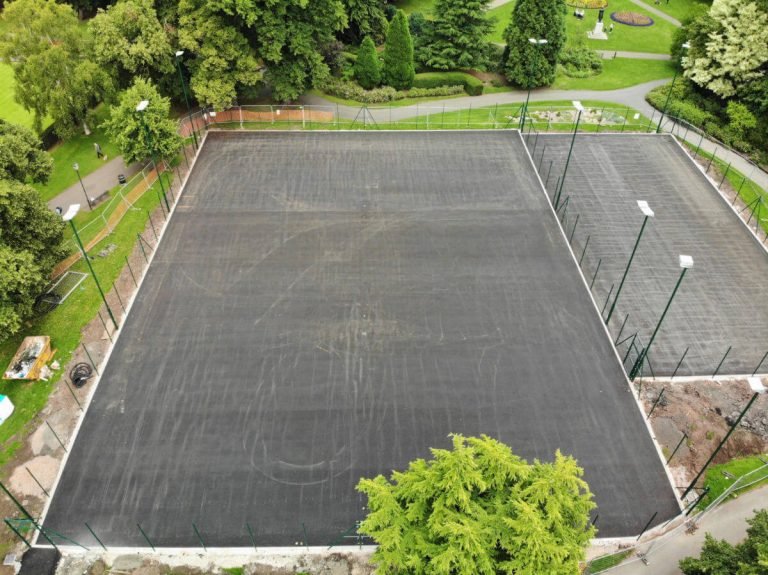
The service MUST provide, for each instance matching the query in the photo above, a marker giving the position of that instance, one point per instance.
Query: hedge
(472, 85)
(352, 91)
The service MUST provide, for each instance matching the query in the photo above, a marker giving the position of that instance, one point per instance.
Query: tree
(527, 65)
(398, 70)
(21, 281)
(479, 509)
(366, 18)
(367, 68)
(222, 60)
(49, 55)
(457, 38)
(729, 46)
(129, 40)
(141, 134)
(750, 557)
(21, 155)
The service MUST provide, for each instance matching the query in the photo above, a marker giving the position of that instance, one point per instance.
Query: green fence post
(607, 299)
(199, 537)
(712, 159)
(761, 363)
(573, 231)
(26, 514)
(146, 537)
(96, 537)
(679, 443)
(655, 403)
(584, 251)
(18, 534)
(304, 529)
(138, 235)
(73, 396)
(90, 359)
(106, 329)
(40, 485)
(594, 277)
(621, 329)
(679, 363)
(250, 534)
(727, 169)
(130, 269)
(719, 365)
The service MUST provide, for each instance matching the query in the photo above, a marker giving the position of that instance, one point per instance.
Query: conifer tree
(457, 38)
(398, 70)
(367, 68)
(480, 509)
(528, 65)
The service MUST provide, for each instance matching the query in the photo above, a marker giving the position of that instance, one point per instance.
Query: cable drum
(80, 374)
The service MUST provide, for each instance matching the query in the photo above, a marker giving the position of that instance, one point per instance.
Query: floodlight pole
(717, 450)
(76, 167)
(644, 352)
(669, 94)
(648, 214)
(536, 43)
(140, 109)
(177, 57)
(568, 160)
(93, 273)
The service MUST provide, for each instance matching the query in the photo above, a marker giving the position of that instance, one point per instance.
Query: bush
(580, 62)
(351, 91)
(471, 85)
(679, 108)
(367, 67)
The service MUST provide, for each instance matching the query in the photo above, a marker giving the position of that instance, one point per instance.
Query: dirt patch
(704, 411)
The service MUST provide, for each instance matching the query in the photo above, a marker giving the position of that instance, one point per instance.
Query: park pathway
(95, 183)
(727, 522)
(609, 54)
(661, 14)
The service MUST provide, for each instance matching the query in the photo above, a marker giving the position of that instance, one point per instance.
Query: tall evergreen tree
(366, 18)
(528, 65)
(367, 68)
(479, 509)
(457, 38)
(397, 70)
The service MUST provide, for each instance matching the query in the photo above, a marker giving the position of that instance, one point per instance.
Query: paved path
(609, 54)
(657, 12)
(96, 183)
(727, 522)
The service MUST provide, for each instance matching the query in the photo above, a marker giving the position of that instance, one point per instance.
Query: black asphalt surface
(721, 301)
(328, 306)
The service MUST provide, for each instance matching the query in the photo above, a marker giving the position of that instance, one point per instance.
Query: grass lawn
(718, 483)
(656, 38)
(682, 9)
(619, 73)
(606, 562)
(64, 326)
(410, 6)
(79, 149)
(10, 110)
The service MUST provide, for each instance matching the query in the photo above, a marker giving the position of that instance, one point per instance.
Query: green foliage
(384, 94)
(580, 62)
(366, 18)
(740, 118)
(223, 60)
(457, 38)
(31, 239)
(367, 67)
(142, 134)
(472, 85)
(21, 156)
(398, 70)
(49, 53)
(529, 65)
(479, 509)
(750, 557)
(129, 40)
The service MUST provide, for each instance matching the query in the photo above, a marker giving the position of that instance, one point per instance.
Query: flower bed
(632, 18)
(588, 4)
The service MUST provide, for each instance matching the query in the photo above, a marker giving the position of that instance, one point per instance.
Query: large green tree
(398, 70)
(49, 54)
(367, 67)
(22, 157)
(479, 509)
(31, 238)
(129, 41)
(750, 557)
(365, 18)
(729, 47)
(529, 65)
(457, 38)
(143, 134)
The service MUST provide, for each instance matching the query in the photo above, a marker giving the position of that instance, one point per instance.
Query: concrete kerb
(105, 360)
(607, 332)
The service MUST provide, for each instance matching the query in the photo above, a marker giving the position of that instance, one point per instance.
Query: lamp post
(140, 107)
(580, 108)
(68, 217)
(648, 213)
(179, 54)
(536, 43)
(669, 94)
(76, 167)
(758, 388)
(686, 263)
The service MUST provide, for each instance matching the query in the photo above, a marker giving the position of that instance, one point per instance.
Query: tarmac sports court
(326, 306)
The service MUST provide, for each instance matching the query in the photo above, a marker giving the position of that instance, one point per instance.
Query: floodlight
(537, 42)
(645, 208)
(75, 166)
(71, 212)
(212, 113)
(179, 53)
(686, 262)
(578, 106)
(142, 105)
(756, 384)
(687, 45)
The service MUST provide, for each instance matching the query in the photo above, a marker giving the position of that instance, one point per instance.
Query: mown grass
(718, 482)
(64, 325)
(78, 150)
(619, 73)
(606, 562)
(682, 9)
(10, 109)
